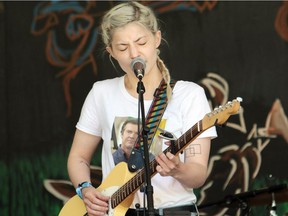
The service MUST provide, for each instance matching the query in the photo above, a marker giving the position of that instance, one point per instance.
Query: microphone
(138, 65)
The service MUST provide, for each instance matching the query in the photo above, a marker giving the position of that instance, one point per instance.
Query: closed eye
(122, 50)
(122, 47)
(142, 44)
(141, 41)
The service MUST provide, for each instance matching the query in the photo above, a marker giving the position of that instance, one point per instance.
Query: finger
(163, 157)
(158, 168)
(168, 143)
(94, 205)
(170, 156)
(162, 160)
(94, 209)
(162, 167)
(102, 197)
(174, 160)
(97, 198)
(161, 171)
(167, 161)
(100, 200)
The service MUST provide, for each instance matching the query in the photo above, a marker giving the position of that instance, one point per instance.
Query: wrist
(82, 185)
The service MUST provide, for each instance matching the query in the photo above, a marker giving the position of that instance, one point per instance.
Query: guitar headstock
(220, 115)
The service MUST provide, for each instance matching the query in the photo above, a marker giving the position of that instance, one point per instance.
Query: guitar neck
(136, 181)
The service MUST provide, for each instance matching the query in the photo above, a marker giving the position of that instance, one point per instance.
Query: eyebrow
(138, 39)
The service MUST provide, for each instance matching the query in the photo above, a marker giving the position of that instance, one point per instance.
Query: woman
(130, 30)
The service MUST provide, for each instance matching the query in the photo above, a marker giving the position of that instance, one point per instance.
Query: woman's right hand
(95, 202)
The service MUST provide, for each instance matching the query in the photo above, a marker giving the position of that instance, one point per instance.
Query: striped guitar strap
(152, 122)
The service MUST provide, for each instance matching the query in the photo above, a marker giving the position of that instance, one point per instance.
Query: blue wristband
(81, 186)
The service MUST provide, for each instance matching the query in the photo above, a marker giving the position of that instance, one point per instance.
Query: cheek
(152, 57)
(125, 65)
(122, 59)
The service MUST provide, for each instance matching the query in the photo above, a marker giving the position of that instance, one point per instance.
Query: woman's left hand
(168, 164)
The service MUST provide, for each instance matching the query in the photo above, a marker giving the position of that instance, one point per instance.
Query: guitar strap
(152, 122)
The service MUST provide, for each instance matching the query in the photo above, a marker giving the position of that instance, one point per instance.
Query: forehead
(129, 32)
(130, 125)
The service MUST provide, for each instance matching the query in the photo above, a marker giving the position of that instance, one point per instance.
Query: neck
(150, 83)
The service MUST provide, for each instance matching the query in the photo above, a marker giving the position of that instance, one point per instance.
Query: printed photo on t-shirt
(125, 145)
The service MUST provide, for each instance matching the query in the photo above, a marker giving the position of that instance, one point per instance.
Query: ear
(110, 51)
(158, 37)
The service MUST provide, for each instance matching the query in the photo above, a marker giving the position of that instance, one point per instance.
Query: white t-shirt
(108, 104)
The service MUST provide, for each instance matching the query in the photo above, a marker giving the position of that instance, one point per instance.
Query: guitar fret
(129, 187)
(118, 200)
(184, 138)
(140, 179)
(191, 134)
(178, 145)
(123, 194)
(133, 184)
(153, 166)
(181, 139)
(114, 200)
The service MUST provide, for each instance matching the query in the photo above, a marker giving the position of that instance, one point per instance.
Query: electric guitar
(121, 184)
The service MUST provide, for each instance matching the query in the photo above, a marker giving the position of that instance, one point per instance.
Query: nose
(134, 135)
(133, 52)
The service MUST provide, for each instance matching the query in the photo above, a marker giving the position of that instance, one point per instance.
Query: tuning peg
(239, 99)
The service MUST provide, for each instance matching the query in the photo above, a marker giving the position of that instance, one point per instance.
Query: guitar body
(116, 178)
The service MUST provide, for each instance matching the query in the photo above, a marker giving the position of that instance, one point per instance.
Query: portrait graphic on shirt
(125, 139)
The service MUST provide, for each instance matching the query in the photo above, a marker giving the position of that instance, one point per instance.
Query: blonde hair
(125, 13)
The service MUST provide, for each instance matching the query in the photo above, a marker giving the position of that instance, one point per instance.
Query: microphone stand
(145, 131)
(273, 206)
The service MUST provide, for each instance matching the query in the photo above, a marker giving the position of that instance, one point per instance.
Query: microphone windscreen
(138, 64)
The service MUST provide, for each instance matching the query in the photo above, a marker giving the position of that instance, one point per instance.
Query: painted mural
(248, 161)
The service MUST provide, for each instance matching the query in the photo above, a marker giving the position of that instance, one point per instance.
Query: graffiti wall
(51, 54)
